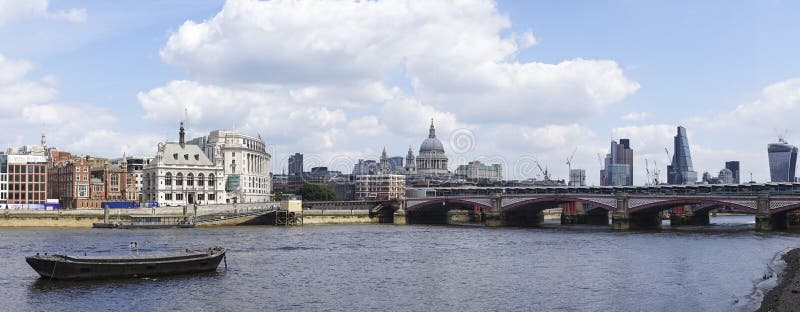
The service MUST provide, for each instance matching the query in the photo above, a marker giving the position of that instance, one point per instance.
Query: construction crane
(543, 171)
(647, 171)
(600, 159)
(656, 174)
(569, 161)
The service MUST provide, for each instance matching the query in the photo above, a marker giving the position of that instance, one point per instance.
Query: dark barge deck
(63, 267)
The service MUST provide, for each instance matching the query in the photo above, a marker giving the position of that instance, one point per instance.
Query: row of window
(190, 179)
(31, 196)
(179, 196)
(26, 169)
(26, 178)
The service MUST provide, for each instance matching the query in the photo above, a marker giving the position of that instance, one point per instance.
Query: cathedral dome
(431, 144)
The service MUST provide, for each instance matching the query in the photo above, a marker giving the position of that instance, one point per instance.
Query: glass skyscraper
(619, 164)
(733, 166)
(681, 171)
(782, 161)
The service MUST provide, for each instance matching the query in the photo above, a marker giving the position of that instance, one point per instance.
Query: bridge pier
(595, 217)
(620, 221)
(400, 217)
(493, 219)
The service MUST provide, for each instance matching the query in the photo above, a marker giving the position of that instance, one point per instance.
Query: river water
(412, 268)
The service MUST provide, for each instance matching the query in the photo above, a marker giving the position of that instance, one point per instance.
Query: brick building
(77, 183)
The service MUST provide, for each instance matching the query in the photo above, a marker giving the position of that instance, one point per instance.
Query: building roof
(431, 143)
(186, 155)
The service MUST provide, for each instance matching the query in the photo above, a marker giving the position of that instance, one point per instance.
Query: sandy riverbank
(786, 295)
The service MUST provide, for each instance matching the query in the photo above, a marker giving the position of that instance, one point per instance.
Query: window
(167, 196)
(178, 196)
(179, 179)
(196, 157)
(175, 156)
(211, 181)
(190, 179)
(201, 197)
(201, 180)
(114, 183)
(185, 156)
(85, 169)
(168, 178)
(211, 196)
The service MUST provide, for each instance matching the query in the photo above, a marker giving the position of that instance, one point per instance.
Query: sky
(509, 82)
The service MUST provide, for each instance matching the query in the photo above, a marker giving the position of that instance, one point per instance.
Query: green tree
(316, 192)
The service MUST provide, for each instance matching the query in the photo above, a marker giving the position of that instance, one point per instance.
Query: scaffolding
(288, 218)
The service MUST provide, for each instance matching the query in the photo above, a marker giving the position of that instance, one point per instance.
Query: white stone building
(477, 171)
(181, 174)
(245, 162)
(431, 160)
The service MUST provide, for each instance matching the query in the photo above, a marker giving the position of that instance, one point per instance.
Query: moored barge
(63, 267)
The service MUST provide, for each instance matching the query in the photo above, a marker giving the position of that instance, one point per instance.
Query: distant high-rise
(681, 171)
(733, 166)
(296, 164)
(619, 164)
(782, 161)
(577, 177)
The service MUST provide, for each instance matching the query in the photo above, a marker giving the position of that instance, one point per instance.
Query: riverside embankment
(786, 295)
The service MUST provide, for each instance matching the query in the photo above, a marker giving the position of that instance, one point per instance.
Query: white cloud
(11, 10)
(17, 91)
(452, 54)
(635, 116)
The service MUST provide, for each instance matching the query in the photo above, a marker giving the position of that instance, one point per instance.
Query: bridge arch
(438, 210)
(556, 200)
(451, 203)
(675, 202)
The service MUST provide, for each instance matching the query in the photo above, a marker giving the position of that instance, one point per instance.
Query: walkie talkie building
(782, 161)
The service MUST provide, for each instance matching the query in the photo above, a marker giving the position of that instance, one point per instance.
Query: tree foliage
(316, 192)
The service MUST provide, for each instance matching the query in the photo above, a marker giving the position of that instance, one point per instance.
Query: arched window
(179, 179)
(201, 179)
(190, 179)
(168, 179)
(211, 180)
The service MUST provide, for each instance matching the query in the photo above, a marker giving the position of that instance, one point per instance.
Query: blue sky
(515, 80)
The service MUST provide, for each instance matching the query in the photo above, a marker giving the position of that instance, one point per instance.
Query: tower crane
(543, 171)
(647, 171)
(569, 160)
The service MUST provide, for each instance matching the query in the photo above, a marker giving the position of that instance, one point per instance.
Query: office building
(477, 171)
(618, 164)
(681, 170)
(782, 161)
(577, 177)
(296, 164)
(733, 166)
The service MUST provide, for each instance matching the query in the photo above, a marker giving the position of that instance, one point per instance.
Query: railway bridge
(773, 204)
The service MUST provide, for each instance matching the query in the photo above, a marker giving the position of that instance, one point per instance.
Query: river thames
(413, 268)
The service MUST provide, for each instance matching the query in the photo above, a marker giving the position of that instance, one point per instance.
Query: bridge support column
(400, 217)
(494, 219)
(620, 219)
(572, 213)
(764, 221)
